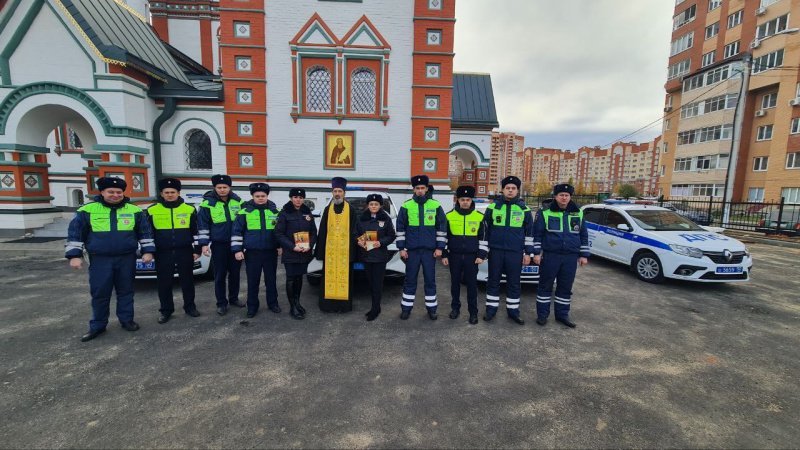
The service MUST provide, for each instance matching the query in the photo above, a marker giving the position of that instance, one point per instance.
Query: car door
(595, 219)
(615, 243)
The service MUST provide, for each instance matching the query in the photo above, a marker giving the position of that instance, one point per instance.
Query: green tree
(627, 191)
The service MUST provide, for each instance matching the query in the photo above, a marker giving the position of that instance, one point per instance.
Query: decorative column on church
(432, 88)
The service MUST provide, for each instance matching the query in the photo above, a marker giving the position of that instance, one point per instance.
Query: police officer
(175, 231)
(111, 228)
(253, 241)
(215, 218)
(561, 233)
(374, 253)
(421, 237)
(509, 231)
(466, 249)
(295, 219)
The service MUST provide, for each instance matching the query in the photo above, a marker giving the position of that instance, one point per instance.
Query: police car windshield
(659, 220)
(360, 204)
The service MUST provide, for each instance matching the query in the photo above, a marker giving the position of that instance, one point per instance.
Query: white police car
(658, 243)
(529, 275)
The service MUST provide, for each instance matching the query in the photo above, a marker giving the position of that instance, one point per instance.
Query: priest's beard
(338, 201)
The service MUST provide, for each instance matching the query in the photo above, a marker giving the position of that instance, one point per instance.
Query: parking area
(672, 365)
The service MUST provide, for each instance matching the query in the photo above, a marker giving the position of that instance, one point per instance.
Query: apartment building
(715, 45)
(506, 157)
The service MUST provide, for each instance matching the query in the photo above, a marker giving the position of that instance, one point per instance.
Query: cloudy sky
(568, 73)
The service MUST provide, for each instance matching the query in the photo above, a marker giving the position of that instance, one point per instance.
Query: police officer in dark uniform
(374, 254)
(466, 249)
(560, 233)
(253, 240)
(421, 237)
(509, 231)
(215, 219)
(112, 229)
(175, 231)
(295, 217)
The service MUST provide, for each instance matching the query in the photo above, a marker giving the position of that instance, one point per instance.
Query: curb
(748, 237)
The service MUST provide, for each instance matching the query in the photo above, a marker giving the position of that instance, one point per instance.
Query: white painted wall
(482, 139)
(297, 148)
(174, 131)
(57, 47)
(185, 36)
(215, 45)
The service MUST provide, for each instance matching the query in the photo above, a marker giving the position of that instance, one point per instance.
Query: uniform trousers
(463, 268)
(168, 262)
(107, 273)
(509, 263)
(256, 263)
(561, 269)
(416, 259)
(226, 268)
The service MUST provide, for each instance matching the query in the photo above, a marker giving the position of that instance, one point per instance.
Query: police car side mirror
(623, 227)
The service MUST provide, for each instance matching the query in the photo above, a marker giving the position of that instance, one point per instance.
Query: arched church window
(318, 90)
(362, 91)
(197, 146)
(74, 139)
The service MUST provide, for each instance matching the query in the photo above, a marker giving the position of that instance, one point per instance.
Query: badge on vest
(381, 223)
(308, 218)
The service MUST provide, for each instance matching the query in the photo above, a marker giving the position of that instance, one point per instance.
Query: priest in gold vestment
(337, 251)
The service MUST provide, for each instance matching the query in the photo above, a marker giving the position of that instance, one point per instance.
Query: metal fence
(764, 217)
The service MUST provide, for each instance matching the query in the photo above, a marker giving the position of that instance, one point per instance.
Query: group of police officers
(509, 235)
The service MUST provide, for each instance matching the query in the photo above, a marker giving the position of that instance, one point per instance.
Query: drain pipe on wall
(170, 105)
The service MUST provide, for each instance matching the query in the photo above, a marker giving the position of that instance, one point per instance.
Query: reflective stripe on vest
(170, 218)
(575, 220)
(412, 208)
(218, 210)
(464, 225)
(517, 215)
(100, 216)
(254, 219)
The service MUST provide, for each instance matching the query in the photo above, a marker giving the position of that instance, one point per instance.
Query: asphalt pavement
(672, 365)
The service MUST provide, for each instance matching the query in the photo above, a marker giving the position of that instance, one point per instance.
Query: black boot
(290, 294)
(298, 287)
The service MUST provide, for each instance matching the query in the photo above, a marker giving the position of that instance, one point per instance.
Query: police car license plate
(530, 269)
(358, 266)
(737, 269)
(141, 265)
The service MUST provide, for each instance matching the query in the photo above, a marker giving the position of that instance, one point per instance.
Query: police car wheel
(648, 267)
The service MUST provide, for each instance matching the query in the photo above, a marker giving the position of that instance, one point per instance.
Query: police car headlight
(747, 252)
(693, 252)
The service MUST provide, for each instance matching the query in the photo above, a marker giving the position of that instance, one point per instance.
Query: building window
(678, 69)
(243, 63)
(714, 4)
(197, 147)
(793, 160)
(245, 160)
(362, 91)
(731, 49)
(772, 27)
(712, 30)
(686, 16)
(795, 127)
(769, 100)
(244, 96)
(681, 44)
(768, 61)
(137, 182)
(245, 128)
(755, 195)
(683, 164)
(431, 134)
(706, 134)
(241, 29)
(432, 102)
(433, 70)
(791, 194)
(735, 19)
(318, 90)
(435, 5)
(434, 37)
(708, 58)
(760, 163)
(764, 133)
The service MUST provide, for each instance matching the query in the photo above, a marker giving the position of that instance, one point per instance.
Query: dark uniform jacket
(259, 237)
(420, 236)
(109, 230)
(221, 231)
(180, 236)
(382, 224)
(561, 238)
(291, 221)
(466, 244)
(513, 229)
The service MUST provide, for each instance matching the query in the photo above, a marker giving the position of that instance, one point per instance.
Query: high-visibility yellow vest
(429, 212)
(218, 210)
(170, 218)
(464, 225)
(100, 217)
(253, 219)
(517, 215)
(575, 220)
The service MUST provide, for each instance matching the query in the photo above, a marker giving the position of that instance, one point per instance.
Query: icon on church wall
(340, 151)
